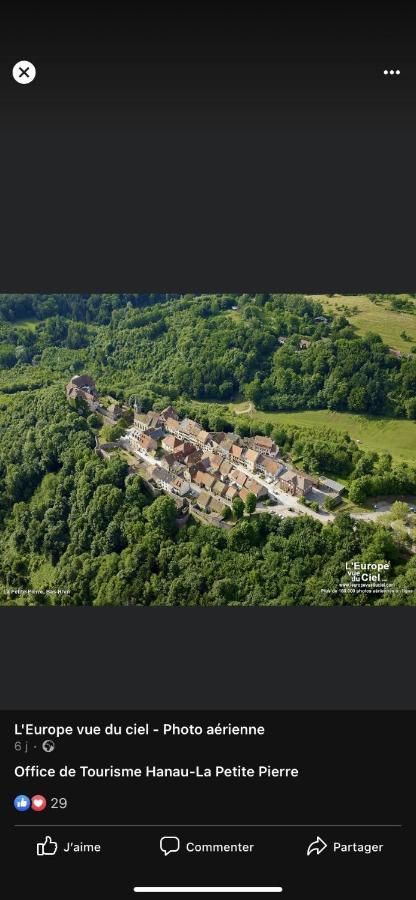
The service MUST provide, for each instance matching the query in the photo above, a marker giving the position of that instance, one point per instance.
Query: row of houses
(168, 481)
(209, 458)
(187, 429)
(221, 465)
(210, 475)
(184, 458)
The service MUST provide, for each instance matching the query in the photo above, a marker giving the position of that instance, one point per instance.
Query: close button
(24, 72)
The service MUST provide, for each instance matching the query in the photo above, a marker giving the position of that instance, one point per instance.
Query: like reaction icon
(48, 847)
(21, 803)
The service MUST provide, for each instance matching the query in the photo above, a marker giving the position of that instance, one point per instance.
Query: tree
(112, 433)
(22, 354)
(161, 515)
(77, 336)
(399, 510)
(81, 406)
(251, 503)
(238, 508)
(365, 464)
(382, 546)
(7, 356)
(128, 416)
(224, 591)
(331, 503)
(103, 507)
(95, 420)
(357, 493)
(410, 407)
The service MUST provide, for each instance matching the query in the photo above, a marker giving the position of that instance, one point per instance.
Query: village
(208, 470)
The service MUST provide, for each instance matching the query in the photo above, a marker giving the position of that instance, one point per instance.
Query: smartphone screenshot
(208, 450)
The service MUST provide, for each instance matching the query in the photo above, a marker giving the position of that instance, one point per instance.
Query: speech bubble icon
(169, 843)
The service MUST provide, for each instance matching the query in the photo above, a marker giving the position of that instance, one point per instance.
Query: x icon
(24, 71)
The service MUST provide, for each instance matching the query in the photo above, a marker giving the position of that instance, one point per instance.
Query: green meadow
(373, 317)
(396, 436)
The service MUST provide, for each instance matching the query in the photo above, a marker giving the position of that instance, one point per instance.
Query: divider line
(164, 825)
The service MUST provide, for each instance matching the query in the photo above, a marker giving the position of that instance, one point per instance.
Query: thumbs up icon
(47, 848)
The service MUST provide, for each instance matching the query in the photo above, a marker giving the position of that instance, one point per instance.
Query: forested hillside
(271, 349)
(80, 528)
(75, 526)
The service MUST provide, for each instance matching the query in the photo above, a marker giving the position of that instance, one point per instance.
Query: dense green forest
(71, 522)
(209, 348)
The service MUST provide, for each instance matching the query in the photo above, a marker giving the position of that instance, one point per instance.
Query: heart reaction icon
(38, 803)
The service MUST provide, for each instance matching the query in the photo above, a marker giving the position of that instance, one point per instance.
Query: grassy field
(396, 436)
(372, 317)
(231, 313)
(123, 454)
(28, 324)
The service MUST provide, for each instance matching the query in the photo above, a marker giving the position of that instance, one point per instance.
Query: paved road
(153, 461)
(286, 500)
(286, 505)
(372, 516)
(282, 511)
(290, 504)
(382, 507)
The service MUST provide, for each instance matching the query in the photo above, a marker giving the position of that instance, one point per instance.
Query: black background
(341, 779)
(344, 786)
(224, 148)
(157, 658)
(216, 148)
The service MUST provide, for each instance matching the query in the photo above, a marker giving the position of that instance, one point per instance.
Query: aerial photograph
(207, 449)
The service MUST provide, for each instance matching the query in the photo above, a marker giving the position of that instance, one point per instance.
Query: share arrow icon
(317, 846)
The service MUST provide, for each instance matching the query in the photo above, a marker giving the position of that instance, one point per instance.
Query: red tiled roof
(252, 455)
(236, 450)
